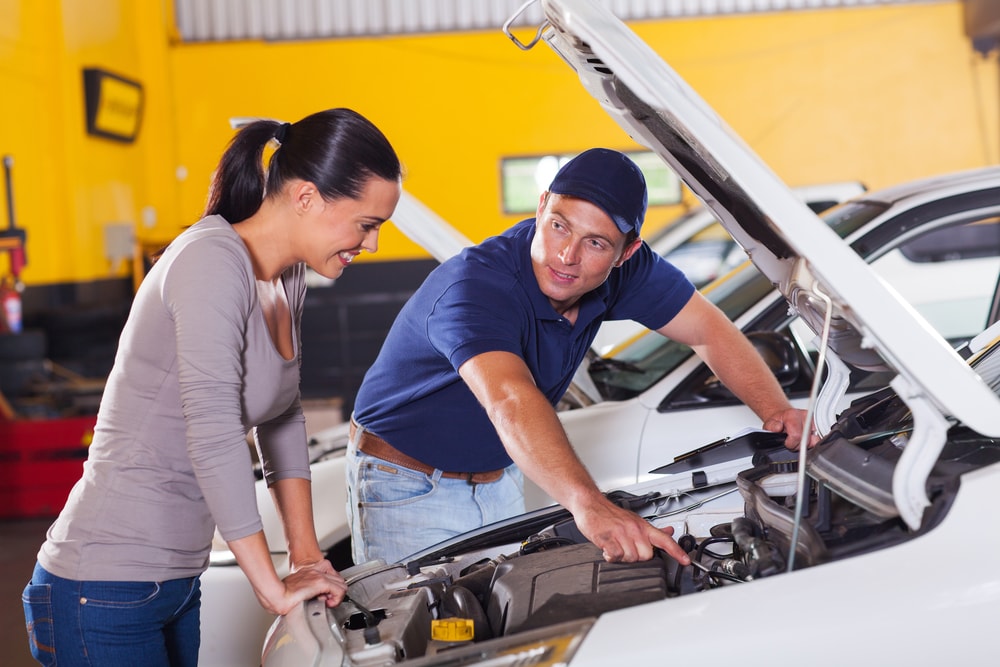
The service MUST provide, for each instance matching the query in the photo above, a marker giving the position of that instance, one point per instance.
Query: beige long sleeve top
(196, 368)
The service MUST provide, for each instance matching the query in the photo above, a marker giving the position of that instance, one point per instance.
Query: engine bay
(454, 599)
(510, 587)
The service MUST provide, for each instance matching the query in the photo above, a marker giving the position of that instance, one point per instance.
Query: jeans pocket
(37, 602)
(381, 483)
(119, 594)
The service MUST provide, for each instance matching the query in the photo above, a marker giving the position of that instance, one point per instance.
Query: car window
(929, 286)
(980, 238)
(711, 252)
(818, 206)
(948, 275)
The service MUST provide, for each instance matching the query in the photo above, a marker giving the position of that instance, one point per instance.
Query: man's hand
(792, 422)
(624, 536)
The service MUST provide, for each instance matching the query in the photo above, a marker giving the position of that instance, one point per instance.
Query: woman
(211, 349)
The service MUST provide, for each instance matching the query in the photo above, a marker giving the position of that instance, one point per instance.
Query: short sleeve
(477, 315)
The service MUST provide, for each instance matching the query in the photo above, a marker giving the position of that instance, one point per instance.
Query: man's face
(575, 247)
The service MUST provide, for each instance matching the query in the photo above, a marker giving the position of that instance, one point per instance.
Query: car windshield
(640, 363)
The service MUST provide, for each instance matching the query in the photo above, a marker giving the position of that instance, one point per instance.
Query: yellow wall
(881, 94)
(69, 186)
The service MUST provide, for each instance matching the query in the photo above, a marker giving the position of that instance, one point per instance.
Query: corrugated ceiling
(227, 20)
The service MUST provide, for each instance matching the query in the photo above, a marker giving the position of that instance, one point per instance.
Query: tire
(28, 345)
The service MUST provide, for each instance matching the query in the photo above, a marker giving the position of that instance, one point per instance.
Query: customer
(210, 350)
(467, 378)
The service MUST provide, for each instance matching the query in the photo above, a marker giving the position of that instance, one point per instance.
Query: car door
(944, 260)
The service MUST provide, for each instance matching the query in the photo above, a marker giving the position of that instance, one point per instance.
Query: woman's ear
(304, 196)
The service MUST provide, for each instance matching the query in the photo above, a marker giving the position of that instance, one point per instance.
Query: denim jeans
(112, 623)
(395, 511)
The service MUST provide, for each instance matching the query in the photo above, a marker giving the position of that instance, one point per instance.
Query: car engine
(469, 595)
(510, 583)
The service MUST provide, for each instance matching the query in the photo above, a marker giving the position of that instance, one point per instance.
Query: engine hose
(460, 602)
(756, 552)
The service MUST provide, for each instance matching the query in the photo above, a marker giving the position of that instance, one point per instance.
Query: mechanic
(211, 349)
(460, 400)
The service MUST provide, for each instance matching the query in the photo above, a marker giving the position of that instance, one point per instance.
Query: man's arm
(535, 439)
(739, 366)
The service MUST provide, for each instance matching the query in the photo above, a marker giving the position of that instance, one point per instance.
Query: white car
(699, 246)
(812, 557)
(935, 241)
(652, 400)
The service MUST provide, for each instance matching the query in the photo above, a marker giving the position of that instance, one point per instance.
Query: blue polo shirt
(486, 299)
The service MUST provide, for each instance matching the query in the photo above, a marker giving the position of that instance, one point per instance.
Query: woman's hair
(338, 150)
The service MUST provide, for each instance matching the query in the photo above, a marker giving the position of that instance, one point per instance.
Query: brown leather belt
(371, 444)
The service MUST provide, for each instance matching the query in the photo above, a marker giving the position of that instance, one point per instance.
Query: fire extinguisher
(13, 241)
(10, 298)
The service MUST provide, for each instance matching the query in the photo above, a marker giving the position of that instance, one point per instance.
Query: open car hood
(823, 279)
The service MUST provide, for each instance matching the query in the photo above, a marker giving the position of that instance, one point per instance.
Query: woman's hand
(309, 578)
(316, 580)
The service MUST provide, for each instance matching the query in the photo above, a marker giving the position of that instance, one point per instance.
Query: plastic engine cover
(568, 583)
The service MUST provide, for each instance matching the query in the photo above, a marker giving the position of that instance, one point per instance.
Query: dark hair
(338, 150)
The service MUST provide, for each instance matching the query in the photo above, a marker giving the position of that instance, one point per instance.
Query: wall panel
(226, 20)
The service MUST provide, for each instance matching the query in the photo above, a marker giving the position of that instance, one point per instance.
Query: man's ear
(542, 199)
(628, 252)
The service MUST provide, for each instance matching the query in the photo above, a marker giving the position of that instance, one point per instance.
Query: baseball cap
(609, 180)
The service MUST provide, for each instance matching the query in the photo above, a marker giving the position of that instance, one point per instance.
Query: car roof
(680, 229)
(935, 187)
(834, 291)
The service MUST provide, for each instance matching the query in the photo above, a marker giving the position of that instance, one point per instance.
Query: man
(459, 402)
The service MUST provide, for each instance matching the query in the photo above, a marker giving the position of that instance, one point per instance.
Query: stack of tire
(22, 363)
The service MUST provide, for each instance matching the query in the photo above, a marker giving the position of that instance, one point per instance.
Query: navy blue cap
(609, 180)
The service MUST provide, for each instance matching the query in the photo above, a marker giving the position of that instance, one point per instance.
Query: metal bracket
(833, 390)
(930, 431)
(538, 34)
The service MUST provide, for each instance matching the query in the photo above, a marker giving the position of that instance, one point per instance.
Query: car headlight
(545, 647)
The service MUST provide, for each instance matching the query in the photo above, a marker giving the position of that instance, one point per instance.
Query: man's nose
(570, 253)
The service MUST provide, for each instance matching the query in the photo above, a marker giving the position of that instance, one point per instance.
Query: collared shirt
(487, 299)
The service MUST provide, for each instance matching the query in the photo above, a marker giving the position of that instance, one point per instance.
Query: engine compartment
(734, 533)
(535, 575)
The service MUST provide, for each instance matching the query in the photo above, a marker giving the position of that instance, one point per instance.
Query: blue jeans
(113, 623)
(395, 511)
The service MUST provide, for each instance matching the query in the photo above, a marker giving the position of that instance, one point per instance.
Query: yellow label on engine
(453, 630)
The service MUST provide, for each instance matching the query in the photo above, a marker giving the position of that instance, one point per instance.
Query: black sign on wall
(114, 105)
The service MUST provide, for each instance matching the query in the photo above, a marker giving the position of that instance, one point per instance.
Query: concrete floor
(20, 540)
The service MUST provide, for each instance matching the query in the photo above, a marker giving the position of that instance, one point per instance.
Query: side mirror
(778, 352)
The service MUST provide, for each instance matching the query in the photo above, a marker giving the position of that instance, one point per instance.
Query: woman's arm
(279, 596)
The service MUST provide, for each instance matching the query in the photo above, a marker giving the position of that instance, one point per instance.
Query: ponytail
(337, 150)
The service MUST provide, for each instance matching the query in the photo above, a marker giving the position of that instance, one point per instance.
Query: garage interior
(85, 208)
